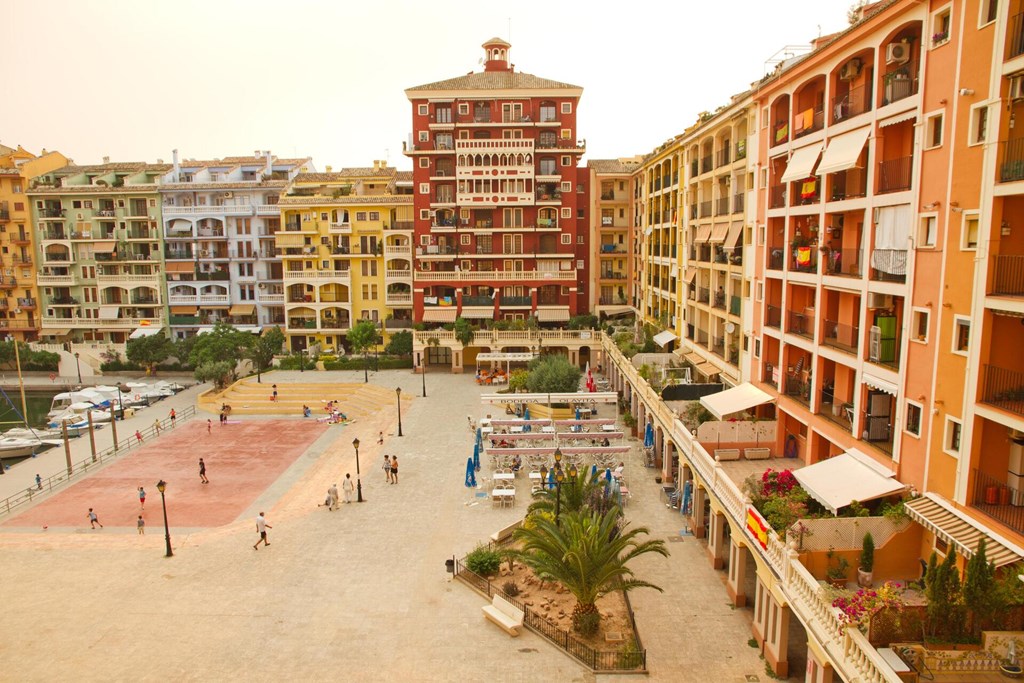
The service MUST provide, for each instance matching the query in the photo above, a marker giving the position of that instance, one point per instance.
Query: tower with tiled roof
(500, 204)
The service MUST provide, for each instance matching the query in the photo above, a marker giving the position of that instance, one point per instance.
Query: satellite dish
(730, 327)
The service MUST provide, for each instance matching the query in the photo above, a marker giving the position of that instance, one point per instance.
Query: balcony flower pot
(1011, 670)
(1004, 495)
(991, 494)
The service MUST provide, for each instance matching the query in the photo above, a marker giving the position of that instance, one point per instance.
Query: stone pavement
(360, 593)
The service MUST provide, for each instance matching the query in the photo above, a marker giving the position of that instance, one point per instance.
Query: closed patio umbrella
(649, 436)
(470, 475)
(476, 457)
(577, 412)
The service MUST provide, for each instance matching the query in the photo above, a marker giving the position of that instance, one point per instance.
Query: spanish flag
(756, 528)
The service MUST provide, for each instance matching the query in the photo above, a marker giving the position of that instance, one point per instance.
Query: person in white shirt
(261, 528)
(333, 492)
(348, 487)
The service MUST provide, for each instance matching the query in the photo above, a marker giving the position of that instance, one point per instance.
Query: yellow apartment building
(19, 298)
(611, 235)
(346, 250)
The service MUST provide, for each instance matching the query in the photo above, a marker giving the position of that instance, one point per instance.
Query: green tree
(149, 351)
(263, 350)
(588, 554)
(221, 373)
(362, 337)
(587, 321)
(400, 344)
(223, 344)
(584, 492)
(464, 331)
(942, 588)
(983, 595)
(552, 374)
(517, 380)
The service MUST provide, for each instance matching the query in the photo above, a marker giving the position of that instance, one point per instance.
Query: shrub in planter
(510, 589)
(483, 561)
(587, 623)
(867, 561)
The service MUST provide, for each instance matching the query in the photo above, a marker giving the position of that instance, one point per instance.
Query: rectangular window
(463, 108)
(566, 187)
(961, 334)
(76, 204)
(360, 215)
(464, 240)
(978, 133)
(424, 214)
(581, 214)
(969, 234)
(566, 239)
(424, 188)
(375, 215)
(989, 10)
(424, 162)
(760, 235)
(423, 136)
(423, 109)
(919, 325)
(566, 134)
(951, 442)
(567, 161)
(933, 131)
(759, 291)
(369, 268)
(566, 212)
(566, 107)
(764, 117)
(942, 22)
(913, 418)
(929, 226)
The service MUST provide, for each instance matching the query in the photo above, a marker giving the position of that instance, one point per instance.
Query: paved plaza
(360, 593)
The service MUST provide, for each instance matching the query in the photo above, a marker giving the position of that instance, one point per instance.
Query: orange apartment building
(611, 235)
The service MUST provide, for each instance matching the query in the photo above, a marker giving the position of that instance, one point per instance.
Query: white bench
(504, 614)
(757, 453)
(727, 454)
(503, 533)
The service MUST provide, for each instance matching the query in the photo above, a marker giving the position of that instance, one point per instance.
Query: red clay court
(242, 460)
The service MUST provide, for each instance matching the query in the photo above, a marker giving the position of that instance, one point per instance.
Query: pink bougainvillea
(777, 483)
(857, 609)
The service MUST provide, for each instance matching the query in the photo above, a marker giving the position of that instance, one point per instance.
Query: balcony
(1007, 275)
(723, 156)
(843, 262)
(805, 260)
(26, 303)
(840, 336)
(694, 168)
(1011, 166)
(718, 347)
(705, 209)
(53, 235)
(889, 265)
(706, 164)
(1003, 388)
(777, 197)
(900, 83)
(495, 276)
(62, 301)
(479, 300)
(49, 279)
(393, 274)
(894, 174)
(737, 202)
(5, 215)
(800, 325)
(849, 184)
(853, 103)
(836, 410)
(780, 133)
(50, 212)
(612, 275)
(722, 206)
(703, 295)
(995, 499)
(768, 375)
(516, 301)
(884, 348)
(809, 121)
(734, 305)
(776, 259)
(773, 317)
(798, 389)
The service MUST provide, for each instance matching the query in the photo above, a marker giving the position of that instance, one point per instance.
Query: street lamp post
(161, 486)
(359, 481)
(78, 366)
(398, 394)
(423, 372)
(559, 476)
(302, 360)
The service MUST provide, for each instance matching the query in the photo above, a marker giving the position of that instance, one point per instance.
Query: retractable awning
(55, 332)
(953, 526)
(144, 332)
(242, 309)
(690, 274)
(664, 337)
(694, 358)
(843, 151)
(703, 233)
(506, 357)
(708, 369)
(899, 118)
(180, 267)
(184, 310)
(880, 384)
(849, 476)
(733, 239)
(719, 231)
(439, 315)
(552, 315)
(103, 247)
(735, 400)
(481, 313)
(109, 312)
(801, 164)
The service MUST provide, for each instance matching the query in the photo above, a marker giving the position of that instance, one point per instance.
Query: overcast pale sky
(134, 79)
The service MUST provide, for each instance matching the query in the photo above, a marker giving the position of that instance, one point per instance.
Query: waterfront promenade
(360, 593)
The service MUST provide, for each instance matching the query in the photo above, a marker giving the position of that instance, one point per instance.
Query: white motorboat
(62, 401)
(14, 447)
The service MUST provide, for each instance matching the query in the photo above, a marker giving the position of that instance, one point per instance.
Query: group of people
(334, 413)
(391, 468)
(484, 376)
(347, 487)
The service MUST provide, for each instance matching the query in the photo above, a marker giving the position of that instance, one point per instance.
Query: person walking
(209, 426)
(93, 519)
(380, 437)
(273, 397)
(174, 416)
(333, 493)
(141, 525)
(202, 472)
(39, 483)
(387, 468)
(156, 426)
(394, 469)
(348, 487)
(223, 418)
(261, 528)
(138, 435)
(142, 498)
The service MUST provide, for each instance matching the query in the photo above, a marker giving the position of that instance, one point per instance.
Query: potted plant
(836, 573)
(865, 572)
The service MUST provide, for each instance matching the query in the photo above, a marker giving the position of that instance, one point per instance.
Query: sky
(135, 79)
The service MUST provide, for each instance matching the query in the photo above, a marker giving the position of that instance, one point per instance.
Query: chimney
(106, 160)
(328, 169)
(270, 166)
(159, 161)
(177, 166)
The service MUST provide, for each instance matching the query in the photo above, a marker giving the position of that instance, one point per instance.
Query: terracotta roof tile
(613, 165)
(320, 200)
(495, 80)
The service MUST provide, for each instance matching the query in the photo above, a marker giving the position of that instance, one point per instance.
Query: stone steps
(247, 397)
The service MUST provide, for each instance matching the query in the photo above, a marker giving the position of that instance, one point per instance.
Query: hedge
(358, 364)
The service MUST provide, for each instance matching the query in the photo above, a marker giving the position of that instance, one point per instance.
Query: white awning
(479, 313)
(109, 312)
(553, 315)
(708, 369)
(664, 337)
(899, 118)
(506, 357)
(801, 164)
(843, 151)
(439, 315)
(880, 384)
(144, 332)
(940, 517)
(251, 329)
(735, 400)
(847, 477)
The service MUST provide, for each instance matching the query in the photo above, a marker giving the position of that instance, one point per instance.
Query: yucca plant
(588, 554)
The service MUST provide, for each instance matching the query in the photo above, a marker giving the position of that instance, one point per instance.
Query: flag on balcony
(757, 528)
(803, 257)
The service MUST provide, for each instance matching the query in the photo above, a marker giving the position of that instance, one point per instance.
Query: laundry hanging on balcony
(892, 235)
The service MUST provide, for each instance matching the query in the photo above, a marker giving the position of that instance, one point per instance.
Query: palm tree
(584, 491)
(589, 554)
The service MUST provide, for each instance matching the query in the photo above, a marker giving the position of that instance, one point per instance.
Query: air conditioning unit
(1016, 88)
(875, 344)
(228, 195)
(897, 53)
(1016, 436)
(877, 300)
(850, 70)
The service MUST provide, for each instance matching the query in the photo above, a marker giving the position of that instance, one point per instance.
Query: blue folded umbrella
(577, 412)
(470, 476)
(476, 457)
(649, 436)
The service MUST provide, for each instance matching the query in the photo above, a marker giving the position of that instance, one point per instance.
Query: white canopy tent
(847, 477)
(664, 337)
(735, 400)
(144, 332)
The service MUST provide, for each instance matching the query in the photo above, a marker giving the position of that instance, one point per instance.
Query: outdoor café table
(504, 475)
(534, 475)
(515, 430)
(486, 430)
(548, 430)
(504, 493)
(608, 428)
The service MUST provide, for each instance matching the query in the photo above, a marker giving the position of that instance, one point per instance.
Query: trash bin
(449, 566)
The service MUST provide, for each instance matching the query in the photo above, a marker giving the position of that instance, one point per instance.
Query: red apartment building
(501, 224)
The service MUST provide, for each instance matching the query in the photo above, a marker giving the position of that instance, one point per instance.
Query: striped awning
(553, 315)
(690, 274)
(953, 526)
(899, 118)
(733, 239)
(242, 309)
(446, 314)
(478, 312)
(703, 233)
(719, 231)
(708, 369)
(104, 247)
